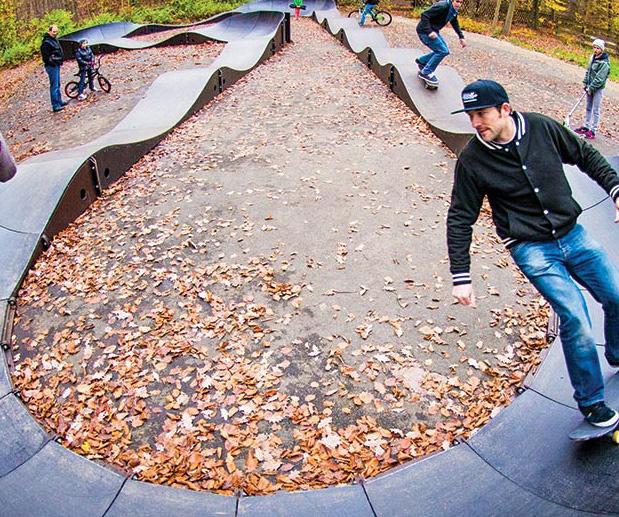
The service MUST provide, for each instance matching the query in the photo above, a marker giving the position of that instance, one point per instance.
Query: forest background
(562, 28)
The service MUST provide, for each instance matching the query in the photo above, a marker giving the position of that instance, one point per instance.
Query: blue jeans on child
(54, 85)
(592, 117)
(82, 84)
(366, 11)
(439, 49)
(552, 267)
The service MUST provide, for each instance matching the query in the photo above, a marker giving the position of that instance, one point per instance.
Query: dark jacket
(528, 192)
(597, 72)
(85, 57)
(51, 51)
(7, 164)
(436, 17)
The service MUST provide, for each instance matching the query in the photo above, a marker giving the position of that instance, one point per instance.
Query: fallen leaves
(173, 333)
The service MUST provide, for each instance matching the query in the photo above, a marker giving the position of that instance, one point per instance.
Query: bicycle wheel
(383, 18)
(104, 84)
(354, 14)
(71, 89)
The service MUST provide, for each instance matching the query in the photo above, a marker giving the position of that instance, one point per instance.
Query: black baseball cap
(483, 93)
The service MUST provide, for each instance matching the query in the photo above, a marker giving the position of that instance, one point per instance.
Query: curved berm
(226, 27)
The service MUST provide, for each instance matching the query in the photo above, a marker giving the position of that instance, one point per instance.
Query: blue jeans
(366, 11)
(54, 85)
(91, 77)
(553, 267)
(592, 117)
(439, 49)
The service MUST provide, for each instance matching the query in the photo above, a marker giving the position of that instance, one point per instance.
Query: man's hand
(433, 35)
(462, 42)
(617, 210)
(464, 294)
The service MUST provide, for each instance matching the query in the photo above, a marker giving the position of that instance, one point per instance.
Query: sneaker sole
(608, 423)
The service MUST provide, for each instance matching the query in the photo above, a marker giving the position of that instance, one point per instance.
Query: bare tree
(507, 26)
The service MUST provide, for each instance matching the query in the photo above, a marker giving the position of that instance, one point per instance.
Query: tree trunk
(497, 9)
(535, 14)
(586, 16)
(507, 26)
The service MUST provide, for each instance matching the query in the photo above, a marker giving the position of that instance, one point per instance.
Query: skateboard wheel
(615, 436)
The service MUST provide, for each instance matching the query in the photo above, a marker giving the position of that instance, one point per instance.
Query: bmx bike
(71, 89)
(379, 16)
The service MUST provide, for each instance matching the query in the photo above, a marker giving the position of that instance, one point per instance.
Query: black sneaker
(419, 64)
(581, 130)
(600, 415)
(428, 78)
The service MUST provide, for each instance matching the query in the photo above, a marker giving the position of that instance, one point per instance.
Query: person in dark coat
(516, 160)
(86, 62)
(7, 163)
(52, 55)
(432, 21)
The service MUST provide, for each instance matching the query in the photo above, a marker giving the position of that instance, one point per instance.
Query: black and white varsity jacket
(528, 192)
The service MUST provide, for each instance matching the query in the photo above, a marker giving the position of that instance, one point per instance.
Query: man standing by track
(516, 160)
(52, 55)
(432, 21)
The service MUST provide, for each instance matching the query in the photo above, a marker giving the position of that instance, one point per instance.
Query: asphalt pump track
(522, 462)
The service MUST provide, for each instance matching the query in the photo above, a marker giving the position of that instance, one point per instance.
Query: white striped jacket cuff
(461, 278)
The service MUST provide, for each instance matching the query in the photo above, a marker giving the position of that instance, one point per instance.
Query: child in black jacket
(86, 62)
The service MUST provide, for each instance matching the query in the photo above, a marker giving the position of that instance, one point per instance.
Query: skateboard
(427, 85)
(585, 431)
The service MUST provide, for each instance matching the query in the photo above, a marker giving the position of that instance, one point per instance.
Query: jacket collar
(521, 129)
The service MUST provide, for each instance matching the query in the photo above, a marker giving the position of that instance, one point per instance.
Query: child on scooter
(594, 83)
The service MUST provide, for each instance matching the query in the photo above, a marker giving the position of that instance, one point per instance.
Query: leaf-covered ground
(263, 302)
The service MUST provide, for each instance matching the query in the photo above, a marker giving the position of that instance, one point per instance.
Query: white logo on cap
(469, 96)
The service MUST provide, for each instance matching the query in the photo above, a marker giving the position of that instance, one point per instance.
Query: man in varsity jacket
(516, 160)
